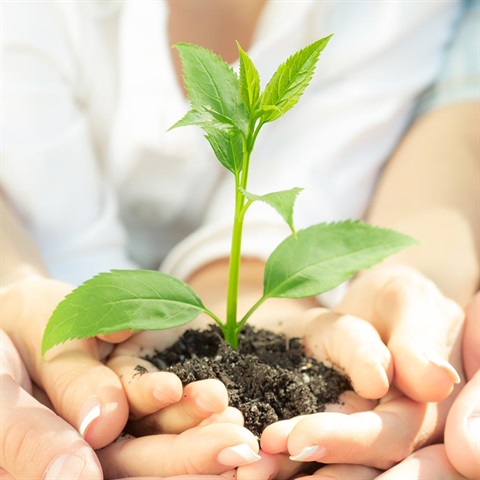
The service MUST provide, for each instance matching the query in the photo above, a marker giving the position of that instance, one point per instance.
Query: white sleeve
(50, 171)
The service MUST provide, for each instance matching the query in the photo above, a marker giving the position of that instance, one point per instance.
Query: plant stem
(234, 273)
(230, 329)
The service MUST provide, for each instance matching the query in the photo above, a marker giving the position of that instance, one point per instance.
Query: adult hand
(459, 456)
(34, 442)
(421, 329)
(83, 391)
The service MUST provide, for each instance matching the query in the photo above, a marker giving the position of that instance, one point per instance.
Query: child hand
(157, 400)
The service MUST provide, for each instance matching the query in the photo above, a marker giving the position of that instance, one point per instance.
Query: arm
(430, 191)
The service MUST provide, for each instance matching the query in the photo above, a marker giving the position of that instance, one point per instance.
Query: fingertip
(117, 337)
(274, 438)
(424, 376)
(102, 422)
(209, 396)
(371, 370)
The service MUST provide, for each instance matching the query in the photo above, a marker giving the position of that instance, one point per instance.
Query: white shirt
(89, 91)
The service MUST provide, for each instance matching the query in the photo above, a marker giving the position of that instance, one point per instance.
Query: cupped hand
(157, 400)
(422, 331)
(82, 390)
(34, 442)
(458, 458)
(215, 448)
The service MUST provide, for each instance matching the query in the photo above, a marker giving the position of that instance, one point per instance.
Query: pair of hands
(95, 401)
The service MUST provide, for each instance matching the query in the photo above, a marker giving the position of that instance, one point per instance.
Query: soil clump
(269, 378)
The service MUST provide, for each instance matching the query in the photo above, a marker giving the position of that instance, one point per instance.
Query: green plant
(231, 109)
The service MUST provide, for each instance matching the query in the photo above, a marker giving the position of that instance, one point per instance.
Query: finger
(418, 324)
(471, 337)
(212, 449)
(4, 475)
(181, 477)
(87, 394)
(117, 337)
(147, 389)
(229, 415)
(31, 431)
(378, 438)
(275, 436)
(279, 467)
(11, 364)
(429, 462)
(350, 402)
(462, 430)
(199, 400)
(424, 334)
(342, 472)
(352, 345)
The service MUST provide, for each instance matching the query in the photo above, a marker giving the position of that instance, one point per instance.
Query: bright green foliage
(249, 81)
(122, 300)
(325, 255)
(231, 110)
(290, 81)
(282, 202)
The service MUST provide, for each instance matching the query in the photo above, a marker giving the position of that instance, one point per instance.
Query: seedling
(231, 109)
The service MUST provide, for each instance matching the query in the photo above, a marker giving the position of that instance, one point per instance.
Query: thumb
(462, 430)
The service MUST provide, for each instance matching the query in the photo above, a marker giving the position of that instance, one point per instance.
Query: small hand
(158, 402)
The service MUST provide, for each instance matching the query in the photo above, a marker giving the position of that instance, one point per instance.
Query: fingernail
(65, 467)
(447, 367)
(316, 450)
(382, 372)
(88, 414)
(237, 455)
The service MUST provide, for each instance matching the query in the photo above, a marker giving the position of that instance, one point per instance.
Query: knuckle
(20, 443)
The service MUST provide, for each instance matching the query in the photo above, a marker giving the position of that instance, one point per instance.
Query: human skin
(95, 432)
(343, 339)
(83, 391)
(457, 458)
(441, 210)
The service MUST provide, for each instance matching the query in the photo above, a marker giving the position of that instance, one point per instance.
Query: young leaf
(206, 119)
(121, 300)
(282, 201)
(212, 85)
(290, 80)
(249, 80)
(325, 255)
(228, 148)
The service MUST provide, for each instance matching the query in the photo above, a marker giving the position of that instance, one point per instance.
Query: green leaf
(282, 201)
(290, 80)
(228, 148)
(121, 300)
(212, 85)
(325, 255)
(205, 118)
(249, 80)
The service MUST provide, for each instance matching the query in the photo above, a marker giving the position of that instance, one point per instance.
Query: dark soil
(268, 379)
